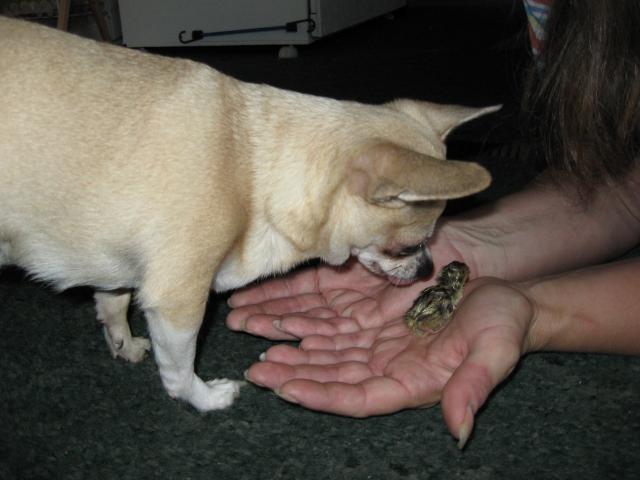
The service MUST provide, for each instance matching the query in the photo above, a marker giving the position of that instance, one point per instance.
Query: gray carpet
(69, 411)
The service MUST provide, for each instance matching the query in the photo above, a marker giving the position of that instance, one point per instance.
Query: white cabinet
(159, 23)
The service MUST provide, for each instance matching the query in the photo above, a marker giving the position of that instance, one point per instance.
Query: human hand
(321, 300)
(383, 368)
(328, 300)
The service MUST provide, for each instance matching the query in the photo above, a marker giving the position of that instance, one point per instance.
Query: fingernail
(243, 326)
(277, 324)
(286, 397)
(465, 428)
(263, 356)
(246, 377)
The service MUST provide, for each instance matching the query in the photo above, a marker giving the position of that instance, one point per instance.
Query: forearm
(591, 310)
(541, 230)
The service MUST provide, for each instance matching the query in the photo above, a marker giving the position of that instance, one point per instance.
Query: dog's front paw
(216, 394)
(132, 349)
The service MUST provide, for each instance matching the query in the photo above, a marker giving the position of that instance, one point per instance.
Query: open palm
(384, 368)
(357, 358)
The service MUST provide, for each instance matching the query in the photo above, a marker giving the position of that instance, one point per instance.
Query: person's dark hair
(583, 96)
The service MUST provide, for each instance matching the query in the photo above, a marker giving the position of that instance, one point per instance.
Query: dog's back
(92, 134)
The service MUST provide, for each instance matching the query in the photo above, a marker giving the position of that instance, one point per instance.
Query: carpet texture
(69, 411)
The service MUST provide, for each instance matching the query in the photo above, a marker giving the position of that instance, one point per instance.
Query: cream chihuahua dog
(132, 172)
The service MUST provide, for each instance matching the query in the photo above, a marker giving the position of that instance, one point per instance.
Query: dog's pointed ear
(442, 117)
(390, 175)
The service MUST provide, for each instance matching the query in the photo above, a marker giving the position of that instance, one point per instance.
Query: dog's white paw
(216, 394)
(132, 349)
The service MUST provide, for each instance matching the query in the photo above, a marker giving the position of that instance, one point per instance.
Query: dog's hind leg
(112, 312)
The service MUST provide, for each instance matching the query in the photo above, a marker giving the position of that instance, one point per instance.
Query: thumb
(489, 361)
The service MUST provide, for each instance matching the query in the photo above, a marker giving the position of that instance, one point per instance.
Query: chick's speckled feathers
(434, 306)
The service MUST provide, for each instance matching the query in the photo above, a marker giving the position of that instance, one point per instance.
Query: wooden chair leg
(100, 20)
(64, 6)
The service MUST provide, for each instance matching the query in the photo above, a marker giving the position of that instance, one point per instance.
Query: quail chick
(434, 306)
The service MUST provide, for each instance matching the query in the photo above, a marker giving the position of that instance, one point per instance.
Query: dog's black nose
(425, 267)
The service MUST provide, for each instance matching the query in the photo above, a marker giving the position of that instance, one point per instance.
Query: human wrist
(473, 245)
(547, 322)
(588, 310)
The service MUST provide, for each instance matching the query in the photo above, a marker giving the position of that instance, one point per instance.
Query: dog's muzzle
(404, 267)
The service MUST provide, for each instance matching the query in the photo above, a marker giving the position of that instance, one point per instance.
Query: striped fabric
(537, 14)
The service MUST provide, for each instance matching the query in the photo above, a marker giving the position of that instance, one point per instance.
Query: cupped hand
(320, 300)
(328, 300)
(380, 367)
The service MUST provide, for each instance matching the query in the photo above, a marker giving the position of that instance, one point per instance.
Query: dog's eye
(406, 251)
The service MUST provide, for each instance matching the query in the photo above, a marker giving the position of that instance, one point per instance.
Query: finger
(258, 319)
(298, 283)
(360, 339)
(253, 320)
(356, 339)
(266, 326)
(348, 300)
(470, 385)
(294, 356)
(372, 396)
(293, 304)
(320, 312)
(273, 375)
(304, 326)
(237, 318)
(288, 327)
